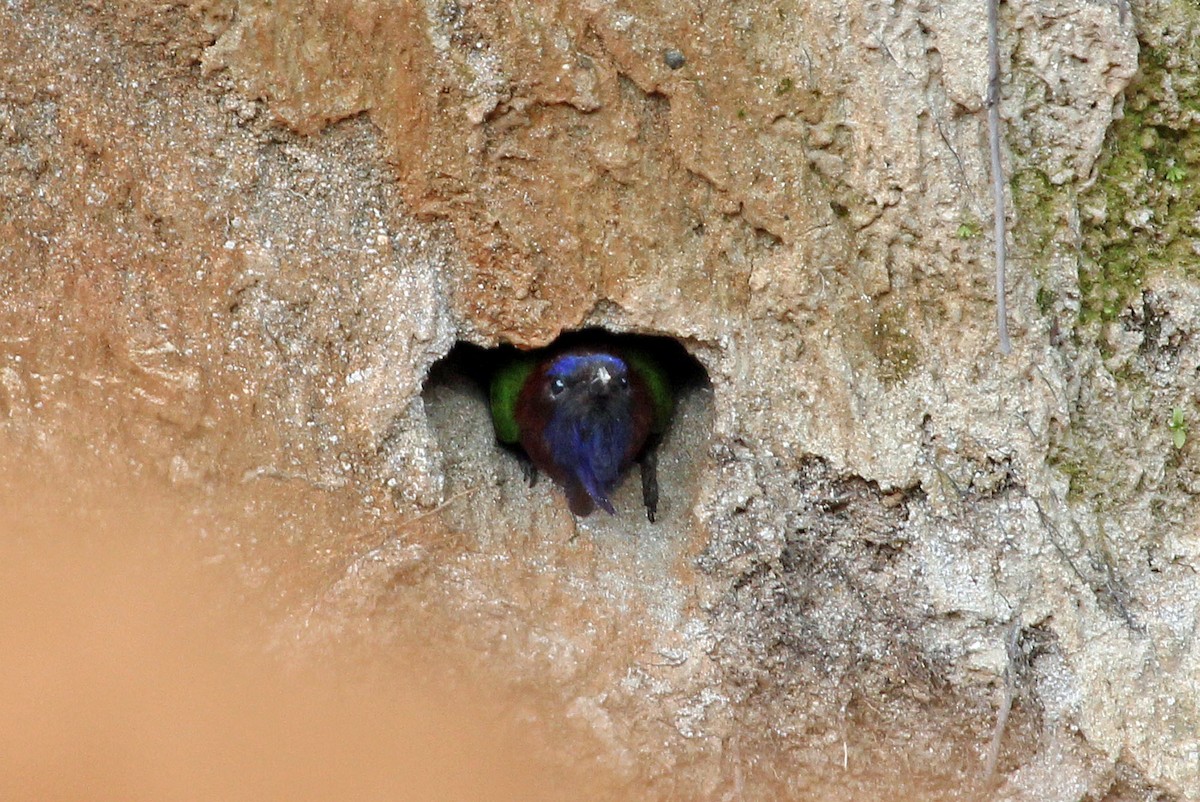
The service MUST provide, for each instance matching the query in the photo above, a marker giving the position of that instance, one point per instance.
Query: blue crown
(568, 364)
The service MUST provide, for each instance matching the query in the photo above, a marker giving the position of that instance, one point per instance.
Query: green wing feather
(507, 381)
(659, 384)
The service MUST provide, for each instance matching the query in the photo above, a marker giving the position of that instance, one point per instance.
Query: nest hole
(457, 406)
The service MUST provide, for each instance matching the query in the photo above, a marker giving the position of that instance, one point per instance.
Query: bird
(583, 415)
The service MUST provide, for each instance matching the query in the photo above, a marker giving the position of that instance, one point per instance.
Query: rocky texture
(240, 234)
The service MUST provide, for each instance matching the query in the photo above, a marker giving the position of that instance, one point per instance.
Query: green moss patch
(1141, 214)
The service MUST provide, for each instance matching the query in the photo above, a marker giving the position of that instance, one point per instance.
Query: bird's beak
(602, 383)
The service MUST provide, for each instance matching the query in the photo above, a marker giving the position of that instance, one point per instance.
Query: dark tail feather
(579, 501)
(595, 489)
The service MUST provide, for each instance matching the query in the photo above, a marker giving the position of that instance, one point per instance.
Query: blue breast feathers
(592, 447)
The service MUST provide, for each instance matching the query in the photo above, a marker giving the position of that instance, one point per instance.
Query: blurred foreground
(135, 669)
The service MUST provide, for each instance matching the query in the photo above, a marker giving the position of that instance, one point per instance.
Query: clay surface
(237, 236)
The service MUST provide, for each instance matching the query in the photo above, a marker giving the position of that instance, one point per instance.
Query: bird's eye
(624, 381)
(557, 386)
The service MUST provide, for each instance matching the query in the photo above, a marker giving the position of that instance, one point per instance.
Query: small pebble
(674, 59)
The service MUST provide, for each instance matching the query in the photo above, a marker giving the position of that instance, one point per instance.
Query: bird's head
(586, 385)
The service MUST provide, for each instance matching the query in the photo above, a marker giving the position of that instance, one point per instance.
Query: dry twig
(993, 106)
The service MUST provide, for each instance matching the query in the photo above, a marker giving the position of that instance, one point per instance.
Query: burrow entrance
(456, 399)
